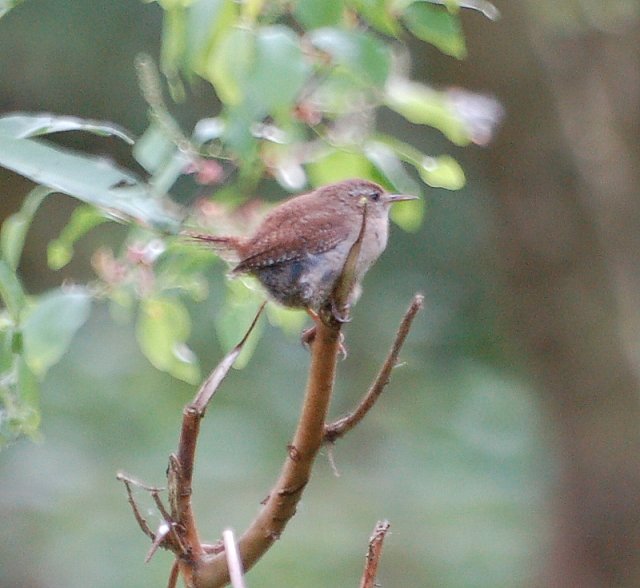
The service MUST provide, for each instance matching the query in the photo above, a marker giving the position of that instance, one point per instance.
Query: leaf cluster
(299, 85)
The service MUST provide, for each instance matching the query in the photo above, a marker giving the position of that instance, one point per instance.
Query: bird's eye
(375, 196)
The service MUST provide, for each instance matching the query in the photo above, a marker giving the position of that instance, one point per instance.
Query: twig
(142, 523)
(373, 555)
(180, 470)
(233, 559)
(343, 425)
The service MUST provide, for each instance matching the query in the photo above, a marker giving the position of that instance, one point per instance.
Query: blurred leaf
(359, 52)
(379, 14)
(390, 166)
(206, 22)
(6, 5)
(24, 126)
(174, 44)
(251, 9)
(92, 180)
(442, 172)
(280, 69)
(51, 324)
(437, 26)
(11, 291)
(231, 63)
(162, 329)
(313, 14)
(420, 104)
(14, 228)
(244, 297)
(154, 148)
(339, 165)
(83, 219)
(486, 8)
(408, 215)
(288, 320)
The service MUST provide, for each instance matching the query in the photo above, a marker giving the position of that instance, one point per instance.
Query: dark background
(505, 452)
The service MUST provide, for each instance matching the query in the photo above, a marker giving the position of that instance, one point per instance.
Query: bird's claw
(308, 336)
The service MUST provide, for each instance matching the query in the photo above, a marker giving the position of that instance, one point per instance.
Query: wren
(300, 249)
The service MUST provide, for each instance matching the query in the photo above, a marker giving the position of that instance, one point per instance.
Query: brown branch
(281, 503)
(174, 575)
(180, 470)
(373, 555)
(343, 425)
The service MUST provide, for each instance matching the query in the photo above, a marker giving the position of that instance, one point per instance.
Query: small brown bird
(300, 250)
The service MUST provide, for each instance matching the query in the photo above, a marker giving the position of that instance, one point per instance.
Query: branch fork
(212, 565)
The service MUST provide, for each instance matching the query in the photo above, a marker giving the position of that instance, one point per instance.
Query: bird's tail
(227, 247)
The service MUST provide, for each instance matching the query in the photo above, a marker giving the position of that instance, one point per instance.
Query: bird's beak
(401, 197)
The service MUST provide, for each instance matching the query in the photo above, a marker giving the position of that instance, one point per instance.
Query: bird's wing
(293, 233)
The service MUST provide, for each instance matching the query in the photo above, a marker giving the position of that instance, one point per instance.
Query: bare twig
(180, 470)
(142, 523)
(373, 555)
(233, 559)
(343, 425)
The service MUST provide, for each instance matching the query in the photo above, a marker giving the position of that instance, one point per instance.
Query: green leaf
(360, 53)
(442, 172)
(244, 297)
(11, 291)
(207, 20)
(174, 32)
(231, 63)
(83, 219)
(6, 5)
(339, 165)
(92, 180)
(154, 148)
(408, 215)
(482, 6)
(25, 126)
(437, 26)
(51, 324)
(387, 162)
(162, 329)
(420, 104)
(279, 72)
(313, 14)
(15, 227)
(379, 14)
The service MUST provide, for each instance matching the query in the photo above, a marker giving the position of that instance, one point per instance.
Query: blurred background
(506, 450)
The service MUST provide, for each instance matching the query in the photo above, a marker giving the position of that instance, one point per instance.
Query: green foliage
(163, 327)
(299, 85)
(50, 324)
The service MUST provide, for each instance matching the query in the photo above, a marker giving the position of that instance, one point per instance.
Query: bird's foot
(308, 337)
(342, 315)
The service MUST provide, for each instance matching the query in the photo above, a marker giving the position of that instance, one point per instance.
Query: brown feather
(297, 227)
